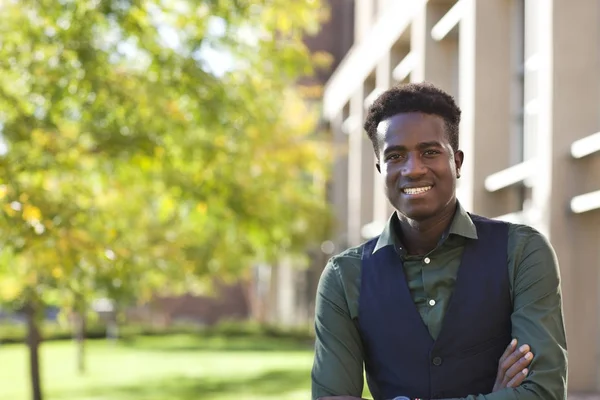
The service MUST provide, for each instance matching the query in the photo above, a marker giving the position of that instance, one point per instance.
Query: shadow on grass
(193, 388)
(189, 343)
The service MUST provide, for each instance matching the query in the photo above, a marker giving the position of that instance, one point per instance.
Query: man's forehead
(384, 126)
(427, 124)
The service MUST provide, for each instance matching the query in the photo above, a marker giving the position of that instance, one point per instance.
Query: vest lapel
(393, 291)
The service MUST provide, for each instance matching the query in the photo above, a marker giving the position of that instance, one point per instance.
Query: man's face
(418, 164)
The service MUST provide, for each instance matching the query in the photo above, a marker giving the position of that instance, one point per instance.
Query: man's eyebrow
(420, 146)
(425, 145)
(394, 148)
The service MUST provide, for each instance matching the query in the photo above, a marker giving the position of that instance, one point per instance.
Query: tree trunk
(80, 325)
(33, 343)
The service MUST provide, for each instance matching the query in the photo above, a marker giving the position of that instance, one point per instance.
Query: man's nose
(413, 167)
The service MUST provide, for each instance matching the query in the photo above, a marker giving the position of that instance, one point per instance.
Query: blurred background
(175, 174)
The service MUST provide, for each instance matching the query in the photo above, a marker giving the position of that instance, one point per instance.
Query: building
(526, 74)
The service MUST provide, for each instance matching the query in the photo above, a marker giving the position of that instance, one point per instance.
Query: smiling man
(428, 308)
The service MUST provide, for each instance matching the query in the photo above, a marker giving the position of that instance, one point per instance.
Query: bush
(251, 328)
(16, 332)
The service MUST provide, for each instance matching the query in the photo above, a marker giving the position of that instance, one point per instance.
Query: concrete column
(435, 62)
(382, 5)
(286, 293)
(368, 181)
(368, 162)
(517, 45)
(363, 19)
(484, 96)
(381, 208)
(339, 183)
(273, 296)
(356, 158)
(569, 82)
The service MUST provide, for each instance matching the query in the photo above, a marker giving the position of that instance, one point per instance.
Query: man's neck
(421, 236)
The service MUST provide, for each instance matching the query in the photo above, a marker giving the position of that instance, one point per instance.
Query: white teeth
(416, 190)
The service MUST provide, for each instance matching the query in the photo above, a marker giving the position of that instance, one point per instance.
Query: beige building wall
(526, 74)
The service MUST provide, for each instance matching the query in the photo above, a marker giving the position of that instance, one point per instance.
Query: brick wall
(228, 303)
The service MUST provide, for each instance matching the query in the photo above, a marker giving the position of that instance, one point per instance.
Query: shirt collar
(462, 225)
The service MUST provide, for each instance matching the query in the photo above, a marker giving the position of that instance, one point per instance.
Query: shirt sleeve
(537, 320)
(338, 363)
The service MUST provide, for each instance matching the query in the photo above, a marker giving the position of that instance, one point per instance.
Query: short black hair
(414, 97)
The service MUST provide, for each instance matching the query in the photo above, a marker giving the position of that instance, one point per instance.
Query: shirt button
(437, 361)
(432, 302)
(426, 260)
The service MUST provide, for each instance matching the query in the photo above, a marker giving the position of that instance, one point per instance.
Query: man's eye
(431, 153)
(393, 157)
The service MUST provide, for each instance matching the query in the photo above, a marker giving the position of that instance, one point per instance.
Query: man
(431, 304)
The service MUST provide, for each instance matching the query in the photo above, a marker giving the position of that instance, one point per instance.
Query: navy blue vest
(402, 359)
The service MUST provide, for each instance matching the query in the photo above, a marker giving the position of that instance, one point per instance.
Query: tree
(135, 162)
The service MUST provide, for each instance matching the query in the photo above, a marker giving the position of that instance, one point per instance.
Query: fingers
(513, 366)
(516, 362)
(513, 357)
(518, 379)
(509, 349)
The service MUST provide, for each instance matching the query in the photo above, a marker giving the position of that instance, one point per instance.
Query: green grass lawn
(178, 367)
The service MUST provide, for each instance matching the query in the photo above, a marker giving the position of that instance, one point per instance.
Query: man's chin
(417, 213)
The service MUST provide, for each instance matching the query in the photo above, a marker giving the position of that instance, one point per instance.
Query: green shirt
(536, 319)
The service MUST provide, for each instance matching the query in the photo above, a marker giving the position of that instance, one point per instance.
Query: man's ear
(378, 167)
(459, 157)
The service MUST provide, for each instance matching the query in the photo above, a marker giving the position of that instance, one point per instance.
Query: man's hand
(512, 367)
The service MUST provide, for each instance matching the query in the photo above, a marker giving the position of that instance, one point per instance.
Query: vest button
(437, 361)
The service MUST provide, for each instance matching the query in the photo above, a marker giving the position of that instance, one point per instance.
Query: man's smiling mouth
(416, 190)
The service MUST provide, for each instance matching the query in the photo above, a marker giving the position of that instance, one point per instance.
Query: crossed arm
(536, 320)
(512, 370)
